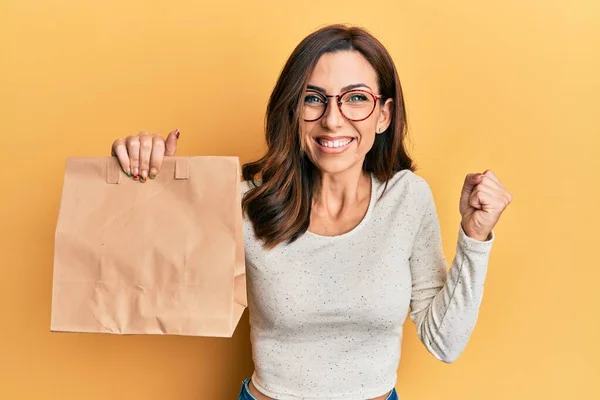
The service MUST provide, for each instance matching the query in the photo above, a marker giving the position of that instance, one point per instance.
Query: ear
(385, 116)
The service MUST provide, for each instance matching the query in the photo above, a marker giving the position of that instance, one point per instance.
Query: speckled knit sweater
(327, 312)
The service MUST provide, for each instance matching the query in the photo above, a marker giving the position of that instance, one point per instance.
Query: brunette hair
(283, 180)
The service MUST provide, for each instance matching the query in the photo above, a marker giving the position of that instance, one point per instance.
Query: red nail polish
(136, 177)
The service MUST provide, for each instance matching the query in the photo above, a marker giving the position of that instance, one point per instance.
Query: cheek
(367, 134)
(368, 127)
(305, 134)
(308, 145)
(308, 130)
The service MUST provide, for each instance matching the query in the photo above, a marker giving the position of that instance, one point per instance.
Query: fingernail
(129, 174)
(177, 133)
(136, 177)
(144, 175)
(136, 171)
(153, 173)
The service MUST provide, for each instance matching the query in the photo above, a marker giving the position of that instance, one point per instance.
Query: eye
(357, 97)
(313, 99)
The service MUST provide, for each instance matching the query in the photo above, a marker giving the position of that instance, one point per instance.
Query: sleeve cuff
(468, 243)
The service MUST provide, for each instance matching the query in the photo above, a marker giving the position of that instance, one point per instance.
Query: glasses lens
(314, 105)
(357, 105)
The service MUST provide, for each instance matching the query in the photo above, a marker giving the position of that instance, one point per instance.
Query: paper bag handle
(114, 172)
(182, 168)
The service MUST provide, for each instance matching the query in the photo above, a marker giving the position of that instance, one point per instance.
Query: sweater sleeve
(445, 301)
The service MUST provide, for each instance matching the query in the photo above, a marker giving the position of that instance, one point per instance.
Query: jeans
(245, 392)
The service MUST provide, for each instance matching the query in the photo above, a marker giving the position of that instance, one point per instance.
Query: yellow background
(512, 86)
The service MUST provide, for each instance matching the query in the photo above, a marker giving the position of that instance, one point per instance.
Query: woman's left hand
(482, 201)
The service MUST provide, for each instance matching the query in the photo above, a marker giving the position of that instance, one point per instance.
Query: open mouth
(334, 144)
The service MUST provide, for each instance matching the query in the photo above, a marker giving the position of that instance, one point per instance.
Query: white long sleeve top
(327, 312)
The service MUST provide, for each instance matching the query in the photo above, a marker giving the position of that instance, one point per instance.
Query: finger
(133, 149)
(492, 186)
(479, 199)
(505, 193)
(171, 143)
(489, 182)
(145, 153)
(158, 153)
(484, 199)
(119, 150)
(490, 174)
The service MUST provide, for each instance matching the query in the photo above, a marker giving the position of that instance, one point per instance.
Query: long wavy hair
(283, 180)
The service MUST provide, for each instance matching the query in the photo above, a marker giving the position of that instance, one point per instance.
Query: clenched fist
(482, 201)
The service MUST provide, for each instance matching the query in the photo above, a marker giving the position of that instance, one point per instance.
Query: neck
(339, 191)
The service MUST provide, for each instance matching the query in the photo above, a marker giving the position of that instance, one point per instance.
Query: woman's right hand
(142, 156)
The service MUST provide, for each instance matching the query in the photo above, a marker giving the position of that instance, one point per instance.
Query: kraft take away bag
(161, 257)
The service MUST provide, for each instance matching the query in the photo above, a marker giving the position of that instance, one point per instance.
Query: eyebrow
(345, 88)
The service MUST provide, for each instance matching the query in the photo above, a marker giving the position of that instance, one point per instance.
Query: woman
(341, 236)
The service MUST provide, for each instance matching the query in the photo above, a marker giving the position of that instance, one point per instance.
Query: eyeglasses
(355, 105)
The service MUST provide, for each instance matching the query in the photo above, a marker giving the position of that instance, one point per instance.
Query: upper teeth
(334, 143)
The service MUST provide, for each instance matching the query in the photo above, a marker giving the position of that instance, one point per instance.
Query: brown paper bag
(161, 257)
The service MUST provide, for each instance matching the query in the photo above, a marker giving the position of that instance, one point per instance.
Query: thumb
(171, 143)
(471, 181)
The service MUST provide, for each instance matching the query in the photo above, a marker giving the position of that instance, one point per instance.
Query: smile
(334, 143)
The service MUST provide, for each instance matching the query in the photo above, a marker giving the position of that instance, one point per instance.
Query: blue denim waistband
(246, 395)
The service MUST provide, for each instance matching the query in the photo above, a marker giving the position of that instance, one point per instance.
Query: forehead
(336, 70)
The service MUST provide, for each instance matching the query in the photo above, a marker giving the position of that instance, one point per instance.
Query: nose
(333, 118)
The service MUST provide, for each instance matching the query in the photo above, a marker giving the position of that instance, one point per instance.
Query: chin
(336, 166)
